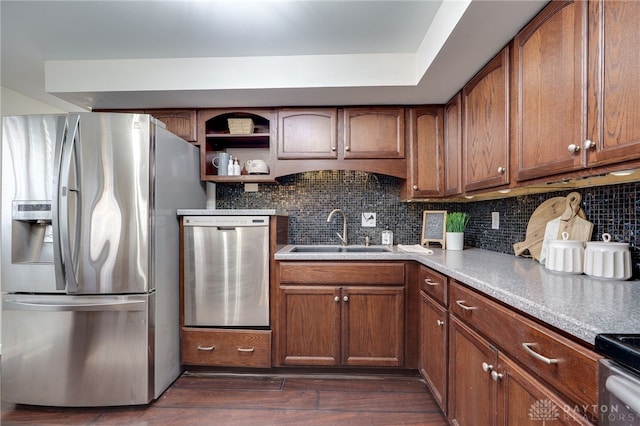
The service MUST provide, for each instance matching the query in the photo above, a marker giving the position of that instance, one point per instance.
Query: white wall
(14, 103)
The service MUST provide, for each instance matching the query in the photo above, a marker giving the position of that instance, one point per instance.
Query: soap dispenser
(387, 237)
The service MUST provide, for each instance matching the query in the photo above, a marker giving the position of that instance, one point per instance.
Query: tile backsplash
(309, 197)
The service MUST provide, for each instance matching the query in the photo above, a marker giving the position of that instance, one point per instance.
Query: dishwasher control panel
(226, 221)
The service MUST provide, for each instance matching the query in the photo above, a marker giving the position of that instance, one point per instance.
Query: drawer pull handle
(428, 281)
(461, 303)
(245, 349)
(536, 355)
(205, 348)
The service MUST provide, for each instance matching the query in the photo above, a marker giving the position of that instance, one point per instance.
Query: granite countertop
(577, 304)
(231, 212)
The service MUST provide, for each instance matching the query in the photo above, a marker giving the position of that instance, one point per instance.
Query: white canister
(565, 255)
(606, 259)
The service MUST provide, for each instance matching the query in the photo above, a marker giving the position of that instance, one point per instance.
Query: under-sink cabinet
(506, 369)
(341, 314)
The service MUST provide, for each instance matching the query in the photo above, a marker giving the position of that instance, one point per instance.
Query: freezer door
(77, 350)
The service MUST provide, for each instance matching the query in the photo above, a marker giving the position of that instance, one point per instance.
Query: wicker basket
(240, 126)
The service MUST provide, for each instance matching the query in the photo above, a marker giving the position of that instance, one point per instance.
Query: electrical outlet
(369, 220)
(495, 220)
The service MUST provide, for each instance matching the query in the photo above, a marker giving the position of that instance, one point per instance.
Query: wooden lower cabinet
(433, 348)
(351, 326)
(341, 314)
(472, 394)
(522, 399)
(488, 388)
(228, 348)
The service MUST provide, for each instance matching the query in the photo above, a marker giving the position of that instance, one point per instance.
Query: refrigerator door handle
(66, 249)
(55, 203)
(131, 305)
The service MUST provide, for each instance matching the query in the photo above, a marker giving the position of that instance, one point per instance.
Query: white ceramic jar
(565, 255)
(606, 259)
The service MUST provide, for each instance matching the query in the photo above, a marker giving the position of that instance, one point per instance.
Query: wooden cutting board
(545, 212)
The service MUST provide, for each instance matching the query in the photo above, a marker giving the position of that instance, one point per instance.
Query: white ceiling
(160, 54)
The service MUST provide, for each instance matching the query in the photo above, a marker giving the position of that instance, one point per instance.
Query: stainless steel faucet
(342, 237)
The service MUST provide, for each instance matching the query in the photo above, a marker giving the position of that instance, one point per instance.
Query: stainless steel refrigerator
(90, 257)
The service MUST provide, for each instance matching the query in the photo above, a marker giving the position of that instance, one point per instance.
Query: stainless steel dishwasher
(226, 271)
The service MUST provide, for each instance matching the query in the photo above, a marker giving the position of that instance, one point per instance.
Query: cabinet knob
(496, 376)
(589, 144)
(347, 148)
(337, 298)
(333, 148)
(415, 187)
(345, 298)
(501, 170)
(440, 323)
(573, 148)
(486, 367)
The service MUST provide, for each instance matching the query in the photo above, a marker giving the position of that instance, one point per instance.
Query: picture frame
(434, 227)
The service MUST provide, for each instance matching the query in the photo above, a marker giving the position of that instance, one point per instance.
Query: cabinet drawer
(341, 272)
(434, 284)
(568, 367)
(229, 348)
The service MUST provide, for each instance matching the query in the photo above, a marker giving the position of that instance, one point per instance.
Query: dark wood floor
(199, 398)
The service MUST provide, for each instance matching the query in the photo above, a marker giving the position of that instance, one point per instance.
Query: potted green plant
(456, 224)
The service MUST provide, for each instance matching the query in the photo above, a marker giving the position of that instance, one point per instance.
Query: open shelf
(217, 138)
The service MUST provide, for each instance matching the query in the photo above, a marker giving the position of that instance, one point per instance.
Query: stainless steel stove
(619, 390)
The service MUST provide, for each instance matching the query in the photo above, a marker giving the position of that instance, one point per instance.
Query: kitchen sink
(339, 249)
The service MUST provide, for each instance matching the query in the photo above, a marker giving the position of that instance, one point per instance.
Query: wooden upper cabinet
(549, 90)
(309, 133)
(373, 132)
(426, 169)
(181, 122)
(453, 146)
(486, 126)
(614, 82)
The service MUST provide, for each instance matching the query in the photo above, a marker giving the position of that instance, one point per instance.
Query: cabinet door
(307, 133)
(549, 87)
(523, 400)
(472, 393)
(181, 122)
(374, 133)
(310, 325)
(373, 326)
(453, 146)
(614, 85)
(433, 349)
(486, 126)
(426, 153)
